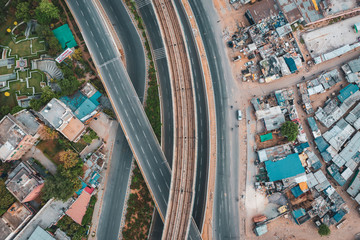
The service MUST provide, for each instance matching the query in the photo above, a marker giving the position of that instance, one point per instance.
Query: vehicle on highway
(249, 63)
(239, 115)
(237, 58)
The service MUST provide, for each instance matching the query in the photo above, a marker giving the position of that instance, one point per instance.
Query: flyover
(121, 158)
(126, 104)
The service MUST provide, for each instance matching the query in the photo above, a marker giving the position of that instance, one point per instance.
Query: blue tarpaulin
(290, 166)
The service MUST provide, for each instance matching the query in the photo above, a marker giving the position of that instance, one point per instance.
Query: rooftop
(78, 209)
(56, 113)
(354, 187)
(48, 215)
(16, 215)
(5, 230)
(24, 183)
(347, 92)
(40, 234)
(290, 166)
(73, 129)
(14, 129)
(28, 120)
(339, 134)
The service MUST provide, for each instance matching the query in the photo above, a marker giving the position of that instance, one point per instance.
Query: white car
(249, 63)
(239, 115)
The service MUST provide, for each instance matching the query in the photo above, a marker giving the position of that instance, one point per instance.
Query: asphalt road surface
(202, 120)
(120, 168)
(226, 196)
(115, 192)
(125, 101)
(157, 44)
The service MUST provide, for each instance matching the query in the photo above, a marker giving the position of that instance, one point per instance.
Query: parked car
(237, 58)
(239, 115)
(249, 63)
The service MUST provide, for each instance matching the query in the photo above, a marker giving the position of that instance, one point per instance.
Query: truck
(260, 218)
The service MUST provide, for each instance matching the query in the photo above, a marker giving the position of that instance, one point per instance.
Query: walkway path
(38, 155)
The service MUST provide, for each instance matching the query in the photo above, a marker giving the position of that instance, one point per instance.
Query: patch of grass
(21, 49)
(5, 70)
(8, 101)
(21, 88)
(37, 45)
(80, 145)
(51, 149)
(5, 37)
(23, 75)
(35, 80)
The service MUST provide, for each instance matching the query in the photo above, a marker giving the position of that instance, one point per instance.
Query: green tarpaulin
(65, 36)
(266, 137)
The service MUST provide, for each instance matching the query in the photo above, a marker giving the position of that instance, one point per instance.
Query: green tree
(23, 11)
(62, 185)
(46, 96)
(16, 109)
(290, 130)
(4, 110)
(46, 12)
(6, 198)
(68, 158)
(54, 45)
(68, 85)
(324, 230)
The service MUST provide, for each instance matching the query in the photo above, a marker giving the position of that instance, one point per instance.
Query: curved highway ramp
(126, 103)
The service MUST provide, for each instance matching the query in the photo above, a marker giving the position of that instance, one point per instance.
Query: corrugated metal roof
(354, 187)
(353, 115)
(351, 148)
(347, 92)
(347, 173)
(320, 176)
(311, 180)
(321, 144)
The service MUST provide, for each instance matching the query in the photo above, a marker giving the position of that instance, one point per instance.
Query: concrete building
(63, 120)
(24, 183)
(13, 220)
(18, 134)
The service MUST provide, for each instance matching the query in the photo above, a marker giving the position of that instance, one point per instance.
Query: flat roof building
(63, 120)
(288, 167)
(18, 133)
(13, 219)
(24, 183)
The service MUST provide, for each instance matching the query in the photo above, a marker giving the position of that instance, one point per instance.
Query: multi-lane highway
(125, 101)
(226, 196)
(120, 168)
(202, 120)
